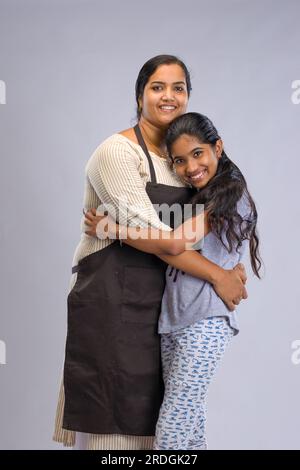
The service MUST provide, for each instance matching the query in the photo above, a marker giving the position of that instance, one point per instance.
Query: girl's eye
(178, 161)
(197, 153)
(157, 88)
(179, 88)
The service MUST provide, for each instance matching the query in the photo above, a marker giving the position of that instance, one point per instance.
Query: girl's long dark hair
(222, 193)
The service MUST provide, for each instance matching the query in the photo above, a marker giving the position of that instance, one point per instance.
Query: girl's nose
(192, 168)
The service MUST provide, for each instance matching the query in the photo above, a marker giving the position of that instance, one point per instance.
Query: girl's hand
(230, 286)
(100, 226)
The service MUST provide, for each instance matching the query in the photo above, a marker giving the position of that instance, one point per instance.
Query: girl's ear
(219, 148)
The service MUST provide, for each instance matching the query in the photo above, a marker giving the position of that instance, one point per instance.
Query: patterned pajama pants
(190, 358)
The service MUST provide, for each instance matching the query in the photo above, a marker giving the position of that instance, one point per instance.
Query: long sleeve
(114, 173)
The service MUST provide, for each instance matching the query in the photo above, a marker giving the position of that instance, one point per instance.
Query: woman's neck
(153, 136)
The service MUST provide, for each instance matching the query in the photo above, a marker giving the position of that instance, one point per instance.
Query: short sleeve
(113, 171)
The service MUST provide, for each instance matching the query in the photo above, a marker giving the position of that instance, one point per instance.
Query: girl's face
(194, 162)
(165, 95)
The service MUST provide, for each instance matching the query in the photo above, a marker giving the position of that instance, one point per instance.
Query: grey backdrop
(69, 69)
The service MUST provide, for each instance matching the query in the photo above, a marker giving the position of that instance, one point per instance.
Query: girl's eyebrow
(192, 151)
(196, 148)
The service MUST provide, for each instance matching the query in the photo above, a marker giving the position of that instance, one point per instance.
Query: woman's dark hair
(150, 67)
(223, 191)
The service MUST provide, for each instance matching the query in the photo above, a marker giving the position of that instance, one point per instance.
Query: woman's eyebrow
(163, 83)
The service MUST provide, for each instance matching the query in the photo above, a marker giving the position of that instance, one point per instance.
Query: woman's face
(165, 95)
(195, 163)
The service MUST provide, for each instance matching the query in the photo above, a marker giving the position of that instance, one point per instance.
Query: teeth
(167, 107)
(198, 176)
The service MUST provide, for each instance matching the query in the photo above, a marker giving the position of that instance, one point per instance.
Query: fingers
(88, 222)
(90, 216)
(93, 219)
(245, 293)
(93, 212)
(230, 306)
(89, 232)
(242, 272)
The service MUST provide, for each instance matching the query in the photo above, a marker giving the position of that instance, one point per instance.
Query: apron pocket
(143, 289)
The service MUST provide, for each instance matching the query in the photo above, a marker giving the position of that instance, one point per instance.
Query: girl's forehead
(185, 139)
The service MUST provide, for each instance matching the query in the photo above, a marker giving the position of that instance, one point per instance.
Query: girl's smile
(195, 163)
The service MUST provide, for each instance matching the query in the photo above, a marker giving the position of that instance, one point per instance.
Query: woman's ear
(140, 107)
(219, 148)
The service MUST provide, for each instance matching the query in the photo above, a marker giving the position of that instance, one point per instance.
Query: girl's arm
(228, 284)
(159, 242)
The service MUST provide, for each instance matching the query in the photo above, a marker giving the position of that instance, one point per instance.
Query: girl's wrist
(216, 275)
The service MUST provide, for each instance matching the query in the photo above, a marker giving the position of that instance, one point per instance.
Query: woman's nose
(168, 94)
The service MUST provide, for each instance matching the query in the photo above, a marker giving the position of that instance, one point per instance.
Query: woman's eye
(157, 88)
(198, 153)
(178, 161)
(179, 88)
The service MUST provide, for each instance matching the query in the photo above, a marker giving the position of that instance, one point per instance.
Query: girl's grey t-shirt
(188, 299)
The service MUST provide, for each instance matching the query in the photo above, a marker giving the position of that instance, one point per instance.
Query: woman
(112, 376)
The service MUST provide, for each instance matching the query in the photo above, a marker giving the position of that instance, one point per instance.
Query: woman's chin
(165, 120)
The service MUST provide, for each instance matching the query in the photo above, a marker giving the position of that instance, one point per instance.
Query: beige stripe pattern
(117, 170)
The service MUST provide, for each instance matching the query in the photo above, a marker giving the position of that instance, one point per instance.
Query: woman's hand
(100, 226)
(230, 285)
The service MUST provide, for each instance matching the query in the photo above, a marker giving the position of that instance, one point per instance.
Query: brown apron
(112, 374)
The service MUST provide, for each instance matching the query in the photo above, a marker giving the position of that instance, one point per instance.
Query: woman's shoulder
(122, 139)
(115, 146)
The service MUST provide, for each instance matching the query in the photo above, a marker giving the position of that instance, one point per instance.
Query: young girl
(195, 325)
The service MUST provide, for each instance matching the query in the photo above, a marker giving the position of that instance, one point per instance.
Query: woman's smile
(167, 108)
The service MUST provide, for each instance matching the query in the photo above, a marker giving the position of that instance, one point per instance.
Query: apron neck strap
(142, 143)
